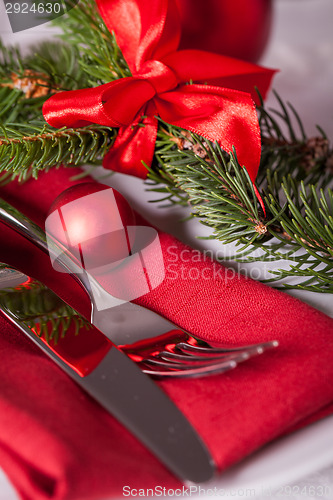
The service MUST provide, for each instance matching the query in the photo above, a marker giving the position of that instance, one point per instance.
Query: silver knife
(120, 386)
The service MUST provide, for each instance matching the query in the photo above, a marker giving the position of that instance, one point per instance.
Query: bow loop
(223, 71)
(113, 104)
(160, 76)
(144, 29)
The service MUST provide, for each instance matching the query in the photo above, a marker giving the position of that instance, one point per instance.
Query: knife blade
(122, 389)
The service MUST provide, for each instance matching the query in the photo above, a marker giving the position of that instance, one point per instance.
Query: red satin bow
(218, 106)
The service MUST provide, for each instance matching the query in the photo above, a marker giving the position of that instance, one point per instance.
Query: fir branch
(297, 229)
(286, 149)
(27, 149)
(60, 61)
(10, 60)
(50, 66)
(100, 57)
(28, 144)
(43, 311)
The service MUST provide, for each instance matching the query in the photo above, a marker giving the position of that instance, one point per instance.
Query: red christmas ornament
(91, 220)
(236, 28)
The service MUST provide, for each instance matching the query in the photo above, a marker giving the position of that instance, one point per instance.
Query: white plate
(283, 462)
(267, 473)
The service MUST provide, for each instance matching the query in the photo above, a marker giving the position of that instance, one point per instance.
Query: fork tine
(174, 362)
(174, 365)
(202, 371)
(174, 357)
(211, 351)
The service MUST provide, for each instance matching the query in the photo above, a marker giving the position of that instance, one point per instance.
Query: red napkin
(57, 443)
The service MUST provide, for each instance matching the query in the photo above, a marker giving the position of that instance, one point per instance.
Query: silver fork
(119, 320)
(177, 354)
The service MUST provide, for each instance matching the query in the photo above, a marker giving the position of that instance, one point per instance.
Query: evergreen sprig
(100, 57)
(27, 143)
(39, 308)
(297, 229)
(53, 66)
(25, 149)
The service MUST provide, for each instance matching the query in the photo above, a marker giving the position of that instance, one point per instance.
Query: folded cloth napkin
(57, 443)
